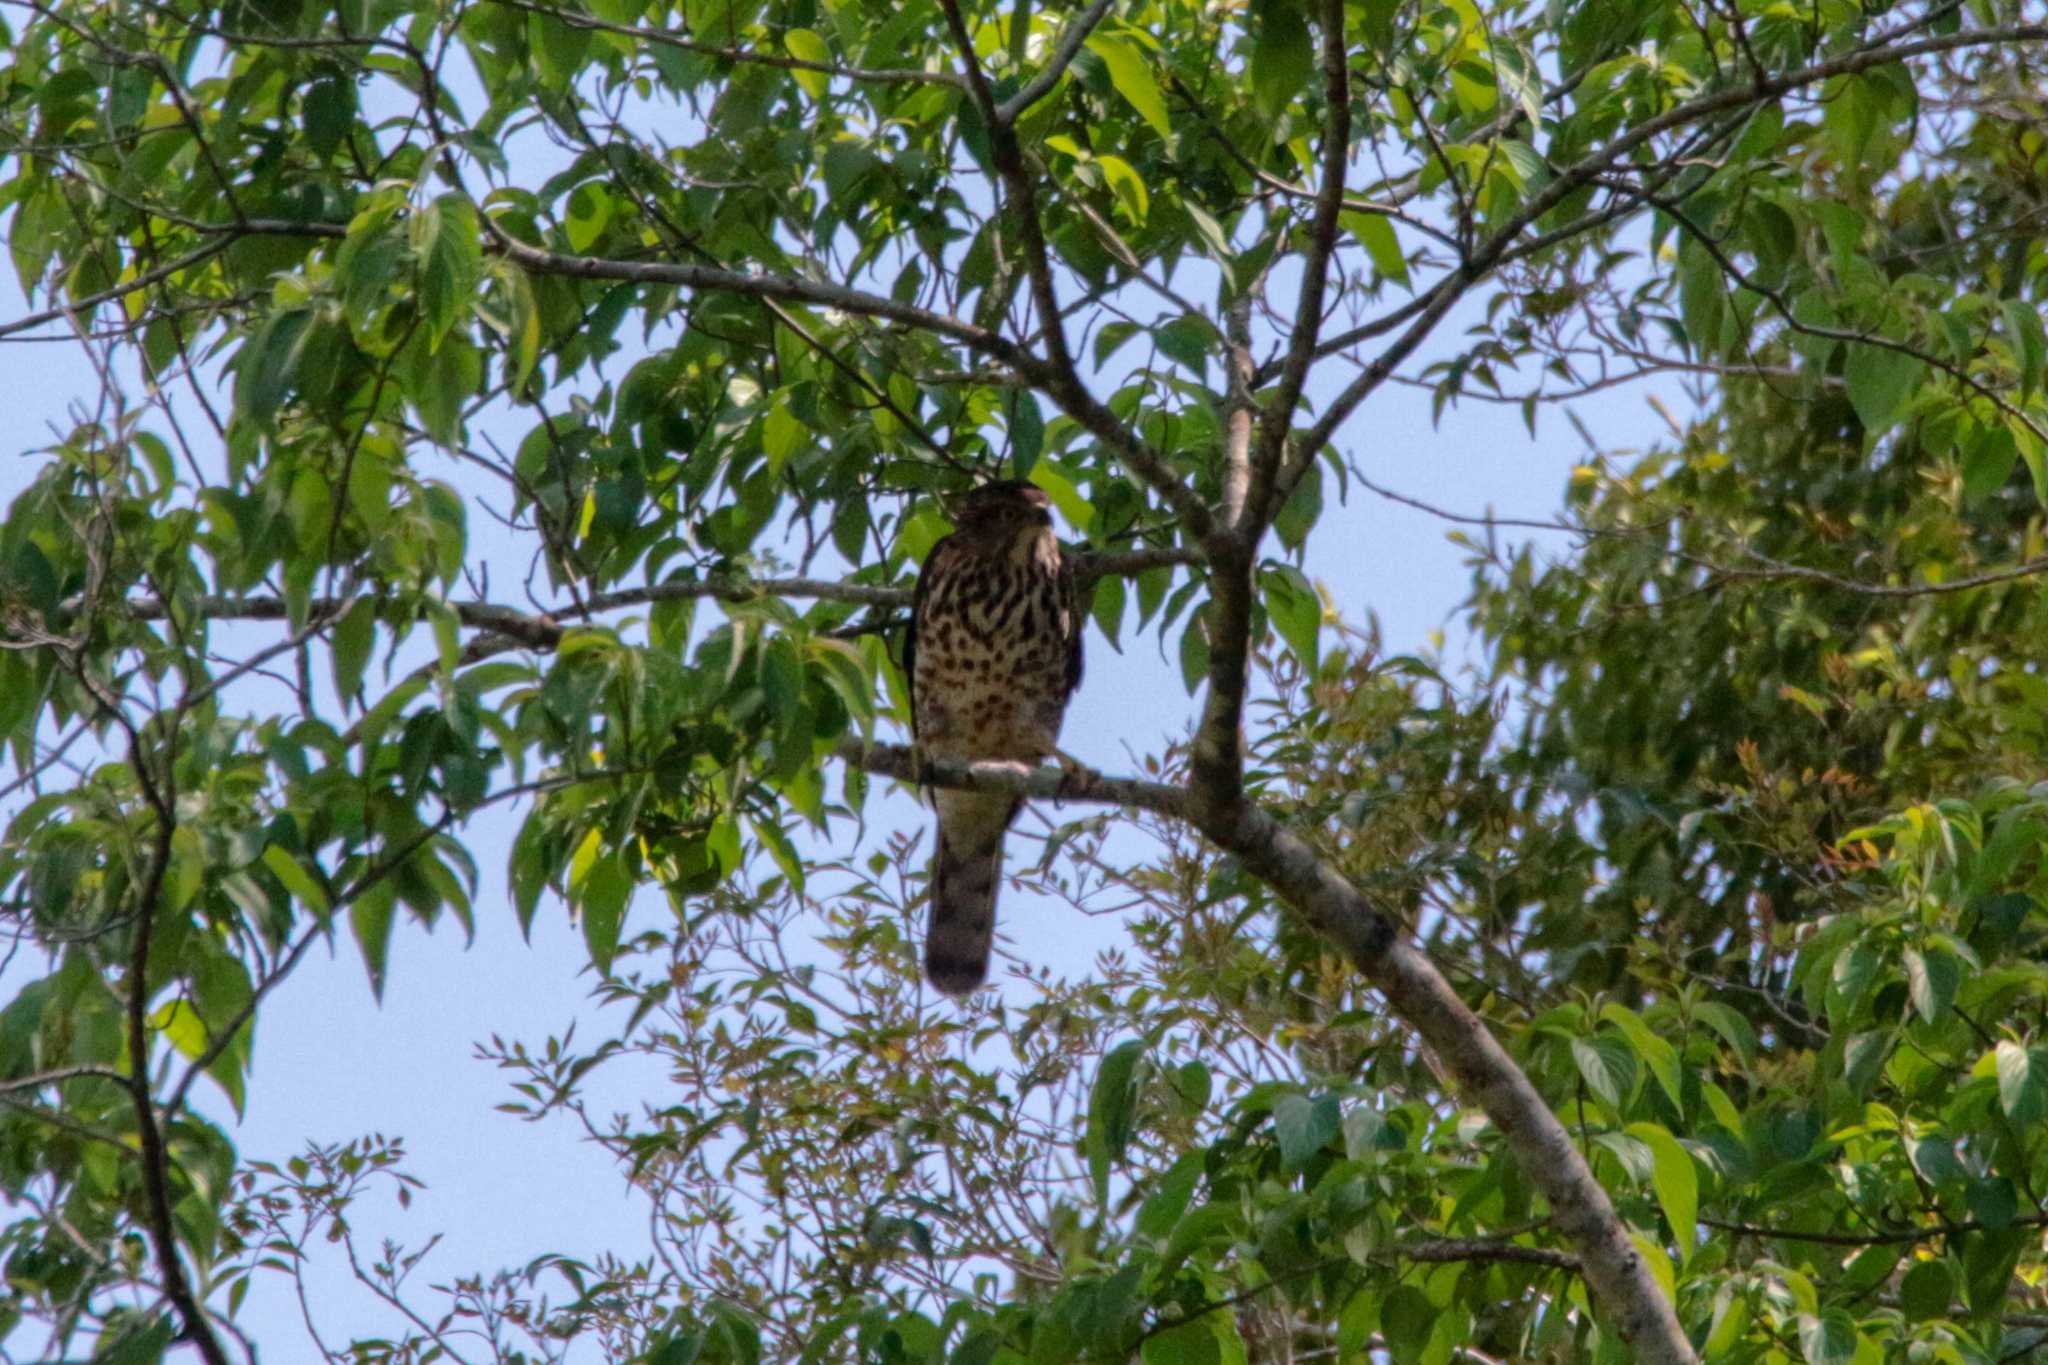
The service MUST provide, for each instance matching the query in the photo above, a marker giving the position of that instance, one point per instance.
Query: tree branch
(1237, 422)
(1743, 280)
(1277, 422)
(1419, 994)
(1071, 38)
(1483, 1250)
(149, 1141)
(1590, 168)
(228, 235)
(543, 630)
(866, 75)
(1060, 378)
(1014, 779)
(1896, 1237)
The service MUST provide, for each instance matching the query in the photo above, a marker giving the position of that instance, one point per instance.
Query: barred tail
(966, 870)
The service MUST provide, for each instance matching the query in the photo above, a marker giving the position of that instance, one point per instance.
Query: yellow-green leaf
(1132, 77)
(807, 46)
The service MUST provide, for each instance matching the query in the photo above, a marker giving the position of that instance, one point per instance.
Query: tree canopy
(545, 404)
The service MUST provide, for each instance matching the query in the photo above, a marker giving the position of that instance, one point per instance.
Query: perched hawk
(992, 654)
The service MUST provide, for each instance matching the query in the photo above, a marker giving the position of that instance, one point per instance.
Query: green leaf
(1879, 380)
(350, 644)
(296, 880)
(266, 365)
(1989, 461)
(558, 51)
(2029, 342)
(1132, 76)
(1194, 653)
(1128, 186)
(1407, 1318)
(1931, 981)
(1863, 1058)
(1604, 1065)
(1113, 1109)
(181, 1025)
(1988, 1261)
(1828, 1338)
(447, 243)
(1656, 1053)
(1106, 604)
(1027, 429)
(329, 110)
(1187, 340)
(1296, 610)
(1928, 1292)
(1733, 1028)
(1076, 509)
(441, 381)
(2022, 1082)
(1208, 1339)
(1168, 1200)
(601, 902)
(1305, 1126)
(1376, 234)
(369, 920)
(1677, 1185)
(1702, 298)
(782, 435)
(1283, 57)
(807, 46)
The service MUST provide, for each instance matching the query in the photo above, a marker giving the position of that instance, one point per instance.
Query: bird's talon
(1076, 777)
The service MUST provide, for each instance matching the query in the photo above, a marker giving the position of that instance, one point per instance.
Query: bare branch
(62, 1074)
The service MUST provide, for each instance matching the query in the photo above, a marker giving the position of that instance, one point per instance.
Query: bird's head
(1003, 510)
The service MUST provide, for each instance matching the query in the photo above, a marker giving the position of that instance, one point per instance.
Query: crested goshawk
(992, 655)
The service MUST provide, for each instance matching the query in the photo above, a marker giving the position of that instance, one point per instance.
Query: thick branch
(894, 760)
(1483, 1070)
(1418, 992)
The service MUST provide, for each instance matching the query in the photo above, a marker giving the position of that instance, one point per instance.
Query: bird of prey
(992, 655)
